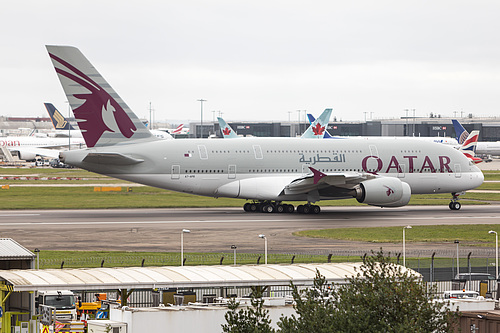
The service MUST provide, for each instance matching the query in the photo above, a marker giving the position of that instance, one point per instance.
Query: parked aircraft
(179, 130)
(468, 148)
(483, 147)
(266, 171)
(316, 129)
(436, 139)
(226, 130)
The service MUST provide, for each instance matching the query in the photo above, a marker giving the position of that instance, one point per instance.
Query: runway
(216, 229)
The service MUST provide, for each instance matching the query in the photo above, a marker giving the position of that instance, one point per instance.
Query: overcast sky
(260, 60)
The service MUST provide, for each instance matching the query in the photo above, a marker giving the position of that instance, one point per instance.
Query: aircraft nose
(478, 178)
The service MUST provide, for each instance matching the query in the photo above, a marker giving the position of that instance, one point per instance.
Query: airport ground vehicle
(62, 300)
(474, 276)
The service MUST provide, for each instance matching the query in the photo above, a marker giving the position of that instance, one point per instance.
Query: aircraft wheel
(315, 209)
(268, 209)
(300, 209)
(456, 205)
(246, 207)
(280, 208)
(289, 209)
(450, 205)
(306, 209)
(253, 207)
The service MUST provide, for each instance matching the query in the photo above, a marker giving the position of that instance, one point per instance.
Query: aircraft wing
(111, 158)
(319, 180)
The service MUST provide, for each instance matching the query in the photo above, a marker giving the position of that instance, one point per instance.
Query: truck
(62, 300)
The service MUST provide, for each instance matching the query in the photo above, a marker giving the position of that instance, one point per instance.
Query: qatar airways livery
(266, 171)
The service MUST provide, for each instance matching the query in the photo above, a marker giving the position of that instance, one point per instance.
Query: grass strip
(467, 233)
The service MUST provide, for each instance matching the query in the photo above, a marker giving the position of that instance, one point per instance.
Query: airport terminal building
(405, 126)
(426, 127)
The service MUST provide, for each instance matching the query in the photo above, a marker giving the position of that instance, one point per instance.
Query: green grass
(477, 233)
(89, 259)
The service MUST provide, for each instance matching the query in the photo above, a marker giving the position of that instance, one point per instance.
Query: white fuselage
(202, 167)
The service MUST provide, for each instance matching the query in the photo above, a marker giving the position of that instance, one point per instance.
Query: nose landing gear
(454, 204)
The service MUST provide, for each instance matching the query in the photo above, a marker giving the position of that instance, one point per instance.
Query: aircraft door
(176, 171)
(373, 150)
(258, 152)
(458, 171)
(231, 171)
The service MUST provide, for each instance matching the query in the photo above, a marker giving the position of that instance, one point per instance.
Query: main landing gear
(454, 204)
(278, 207)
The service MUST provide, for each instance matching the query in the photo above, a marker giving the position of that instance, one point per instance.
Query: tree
(381, 297)
(254, 319)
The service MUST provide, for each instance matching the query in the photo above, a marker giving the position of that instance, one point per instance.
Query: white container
(105, 326)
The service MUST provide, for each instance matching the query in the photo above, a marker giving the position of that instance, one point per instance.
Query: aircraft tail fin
(178, 130)
(227, 131)
(317, 128)
(468, 148)
(312, 119)
(58, 120)
(460, 131)
(103, 117)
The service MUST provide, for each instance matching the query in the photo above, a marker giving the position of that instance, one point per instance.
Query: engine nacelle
(27, 156)
(384, 192)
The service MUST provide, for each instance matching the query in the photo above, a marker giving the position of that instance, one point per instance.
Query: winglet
(317, 129)
(226, 130)
(317, 175)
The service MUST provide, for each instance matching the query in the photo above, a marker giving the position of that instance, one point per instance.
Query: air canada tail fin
(103, 117)
(312, 119)
(460, 131)
(226, 130)
(318, 127)
(468, 148)
(58, 120)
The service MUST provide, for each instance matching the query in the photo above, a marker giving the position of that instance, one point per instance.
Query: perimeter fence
(434, 265)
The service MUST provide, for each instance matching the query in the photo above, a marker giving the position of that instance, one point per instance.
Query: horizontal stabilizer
(111, 158)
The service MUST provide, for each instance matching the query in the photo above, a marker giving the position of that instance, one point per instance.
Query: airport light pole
(234, 249)
(265, 247)
(458, 262)
(201, 100)
(496, 251)
(184, 231)
(404, 244)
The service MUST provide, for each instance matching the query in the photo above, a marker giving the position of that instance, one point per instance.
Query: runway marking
(10, 215)
(82, 223)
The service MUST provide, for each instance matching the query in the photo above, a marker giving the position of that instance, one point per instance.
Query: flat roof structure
(174, 276)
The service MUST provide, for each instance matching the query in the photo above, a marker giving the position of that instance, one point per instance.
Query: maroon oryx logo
(99, 112)
(389, 190)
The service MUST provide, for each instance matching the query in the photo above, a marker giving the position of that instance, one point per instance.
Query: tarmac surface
(216, 229)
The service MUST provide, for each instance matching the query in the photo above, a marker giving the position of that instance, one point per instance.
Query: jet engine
(383, 192)
(27, 156)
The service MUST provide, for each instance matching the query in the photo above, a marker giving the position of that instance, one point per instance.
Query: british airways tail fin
(58, 120)
(103, 117)
(468, 148)
(317, 129)
(312, 119)
(460, 131)
(227, 131)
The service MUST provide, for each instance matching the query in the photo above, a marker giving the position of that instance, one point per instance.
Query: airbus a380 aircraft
(267, 171)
